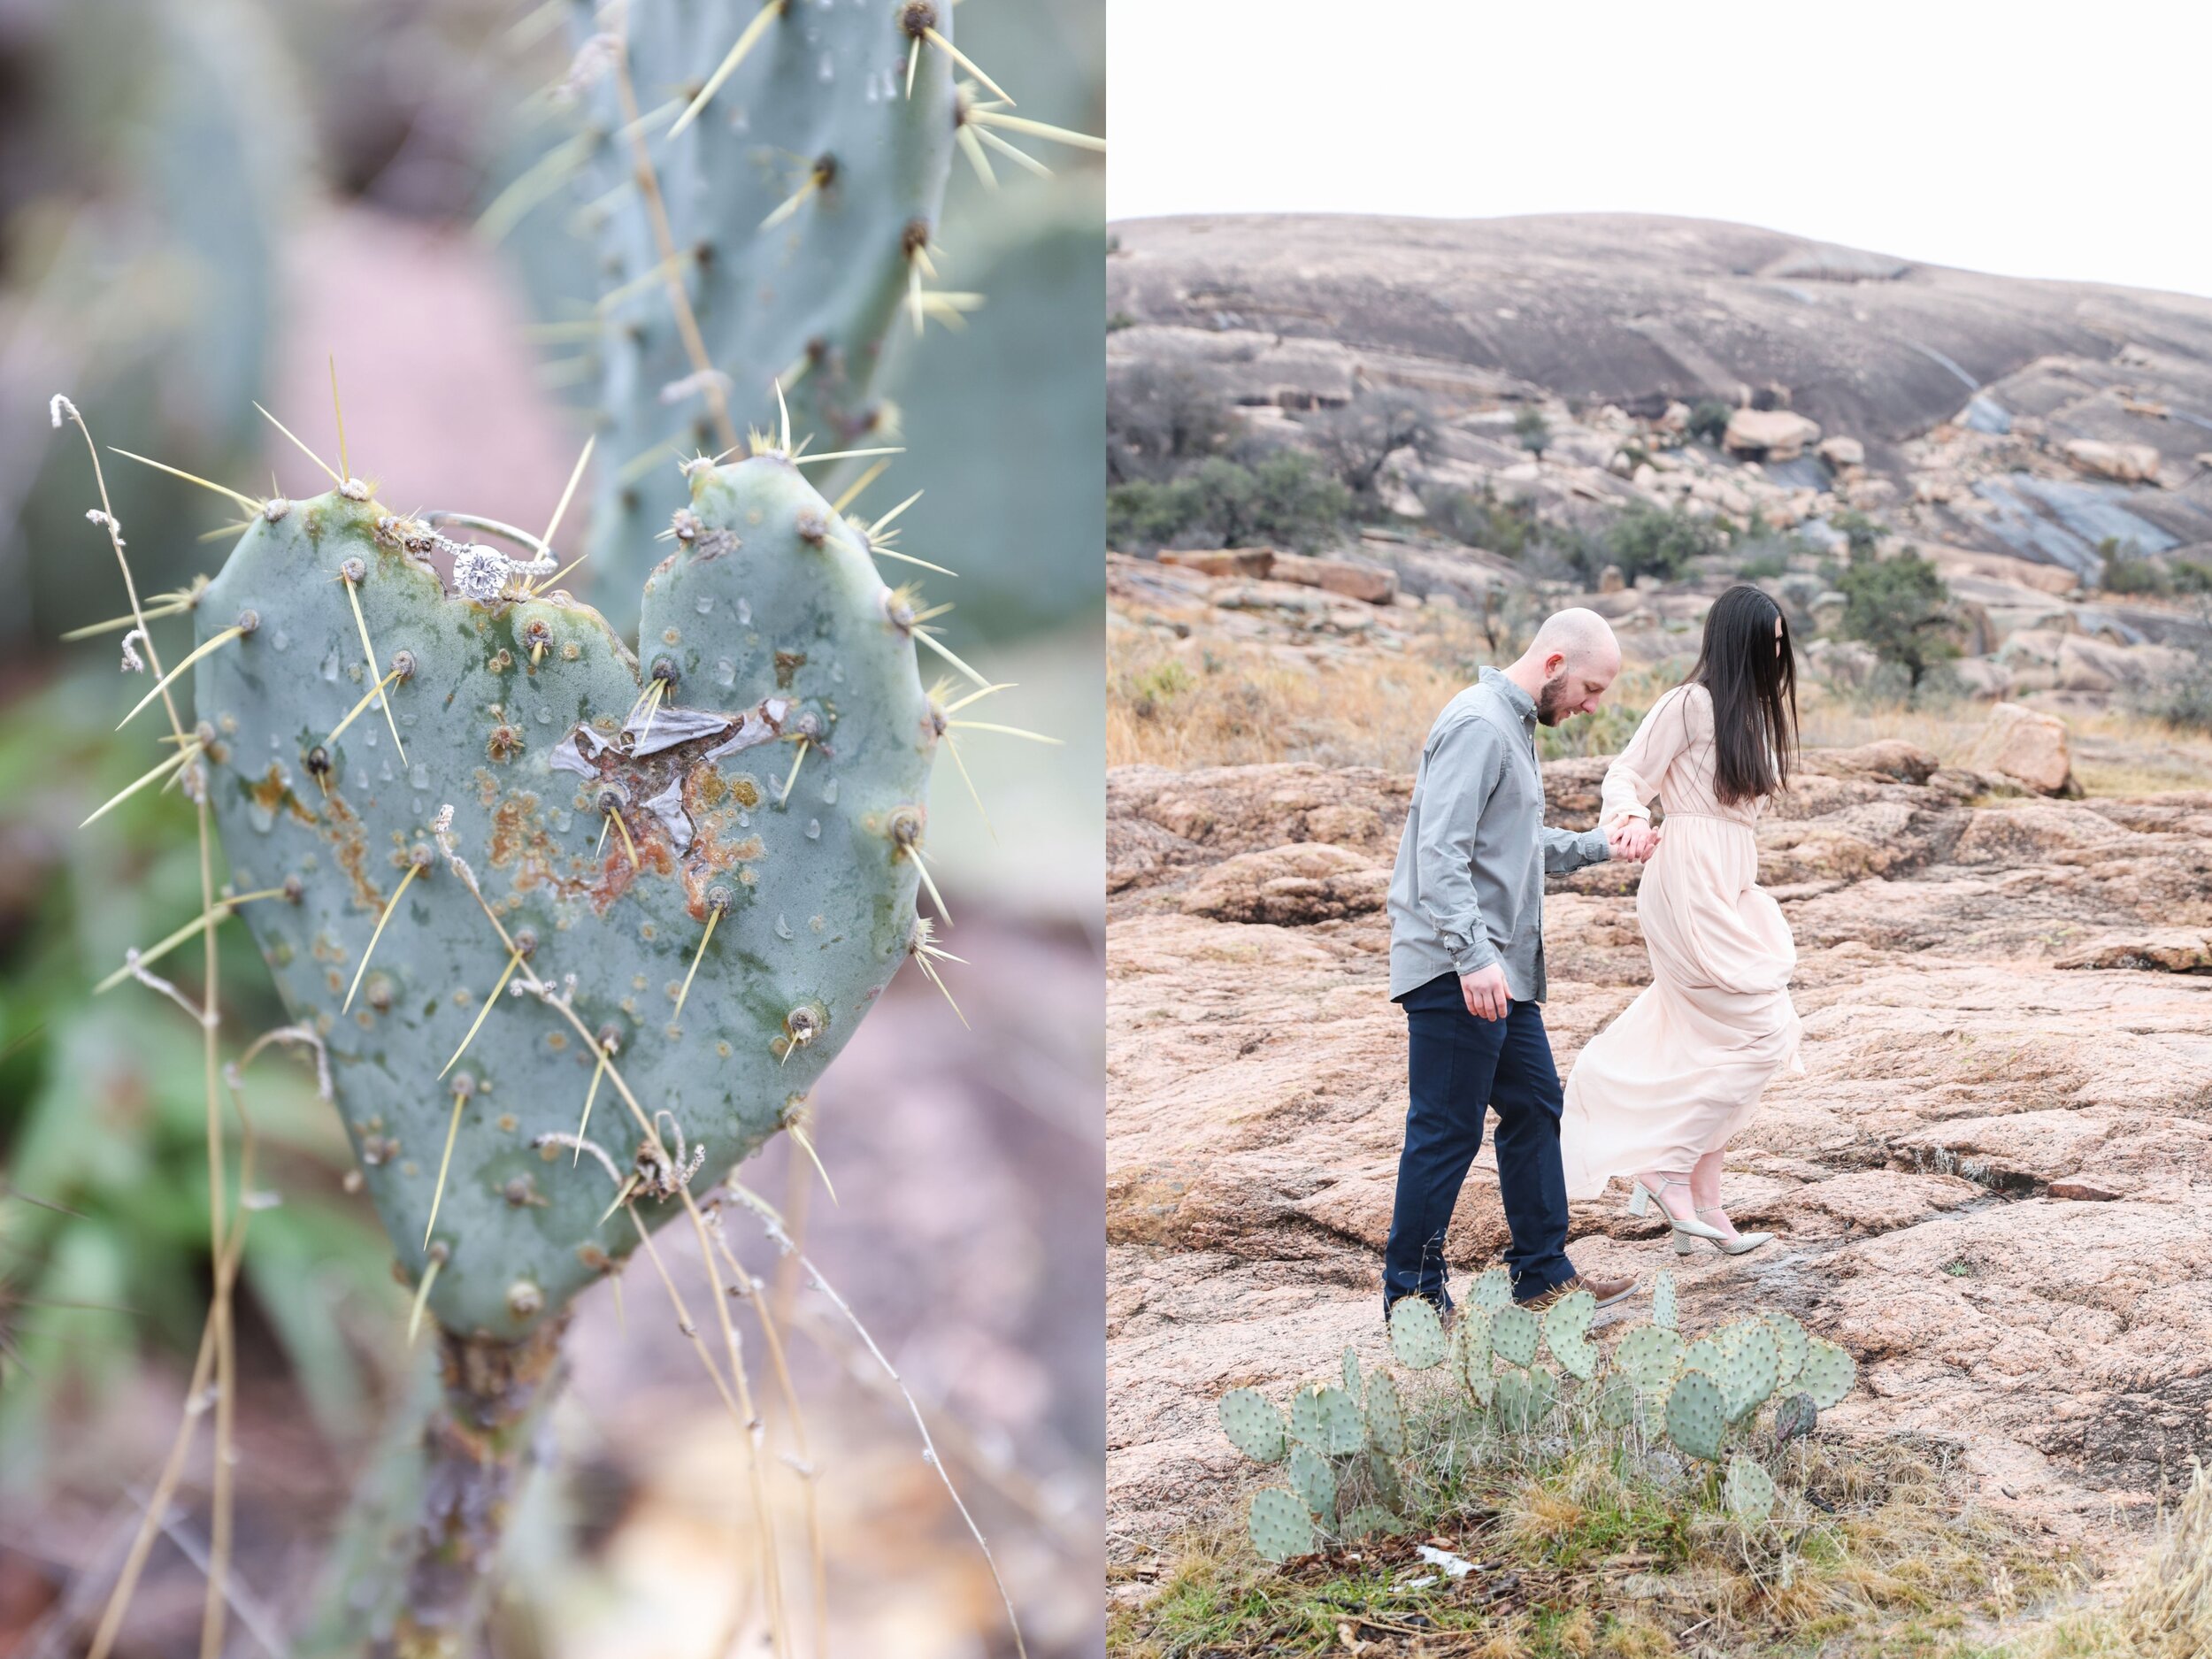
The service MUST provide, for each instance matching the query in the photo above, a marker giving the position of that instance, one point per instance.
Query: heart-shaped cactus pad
(527, 769)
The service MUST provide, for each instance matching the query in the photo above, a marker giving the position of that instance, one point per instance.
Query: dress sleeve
(1632, 780)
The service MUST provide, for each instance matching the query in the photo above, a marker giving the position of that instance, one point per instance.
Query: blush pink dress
(1681, 1071)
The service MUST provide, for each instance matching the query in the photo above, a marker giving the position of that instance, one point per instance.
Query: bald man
(1467, 966)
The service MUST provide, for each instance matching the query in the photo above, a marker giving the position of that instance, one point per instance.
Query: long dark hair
(1754, 689)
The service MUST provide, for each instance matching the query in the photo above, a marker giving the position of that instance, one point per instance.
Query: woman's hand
(1633, 839)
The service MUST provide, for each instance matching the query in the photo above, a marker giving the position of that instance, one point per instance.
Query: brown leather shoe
(1608, 1291)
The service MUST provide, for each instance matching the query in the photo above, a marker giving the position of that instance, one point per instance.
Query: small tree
(1160, 419)
(1532, 430)
(1901, 608)
(1356, 440)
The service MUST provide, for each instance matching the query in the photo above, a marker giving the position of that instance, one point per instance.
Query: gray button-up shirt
(1468, 886)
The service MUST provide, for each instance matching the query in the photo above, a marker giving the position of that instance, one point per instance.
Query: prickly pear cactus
(1697, 1415)
(800, 198)
(1525, 1399)
(1790, 1340)
(1567, 1333)
(1280, 1527)
(1794, 1418)
(1514, 1333)
(1416, 1334)
(1827, 1373)
(1649, 1356)
(1386, 1416)
(1663, 1307)
(1750, 1492)
(1492, 1290)
(1749, 1364)
(1344, 1423)
(1372, 1520)
(1470, 1353)
(1253, 1424)
(769, 639)
(1351, 1372)
(1314, 1480)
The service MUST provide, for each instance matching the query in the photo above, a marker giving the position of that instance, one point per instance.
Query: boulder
(2157, 950)
(2028, 746)
(1257, 562)
(1984, 678)
(2123, 463)
(1289, 886)
(1773, 434)
(1840, 452)
(1611, 581)
(1368, 582)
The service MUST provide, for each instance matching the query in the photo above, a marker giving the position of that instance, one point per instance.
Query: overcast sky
(2043, 138)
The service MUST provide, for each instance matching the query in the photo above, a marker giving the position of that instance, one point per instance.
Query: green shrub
(1648, 541)
(1283, 500)
(1901, 608)
(1709, 419)
(1863, 534)
(2127, 571)
(1482, 521)
(1532, 430)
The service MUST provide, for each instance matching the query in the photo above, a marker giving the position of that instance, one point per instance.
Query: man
(1467, 966)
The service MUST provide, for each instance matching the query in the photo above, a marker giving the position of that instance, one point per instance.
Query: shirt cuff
(1600, 847)
(1479, 955)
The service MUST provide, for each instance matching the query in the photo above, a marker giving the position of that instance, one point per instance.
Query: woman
(1658, 1094)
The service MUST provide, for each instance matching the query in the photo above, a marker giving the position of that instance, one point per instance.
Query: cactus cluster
(1337, 1445)
(1703, 1397)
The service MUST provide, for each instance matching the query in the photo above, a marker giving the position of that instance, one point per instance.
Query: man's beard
(1548, 699)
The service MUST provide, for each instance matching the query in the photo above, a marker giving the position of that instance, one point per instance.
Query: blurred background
(201, 202)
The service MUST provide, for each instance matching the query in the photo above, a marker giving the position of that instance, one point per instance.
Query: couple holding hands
(1657, 1095)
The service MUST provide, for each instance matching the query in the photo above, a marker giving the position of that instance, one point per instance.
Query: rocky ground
(1989, 1185)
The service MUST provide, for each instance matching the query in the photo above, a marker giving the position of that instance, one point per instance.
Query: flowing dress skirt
(1681, 1071)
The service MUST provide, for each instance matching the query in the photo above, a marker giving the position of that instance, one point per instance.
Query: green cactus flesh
(1525, 1399)
(1383, 1475)
(1616, 1402)
(1648, 1355)
(1372, 1520)
(1253, 1424)
(1795, 1417)
(1789, 1341)
(1567, 1333)
(1750, 1492)
(1663, 1307)
(1386, 1415)
(1827, 1373)
(1469, 1356)
(1514, 1332)
(1697, 1415)
(524, 717)
(1351, 1371)
(1750, 1364)
(1309, 1419)
(1280, 1525)
(1345, 1425)
(1416, 1334)
(799, 199)
(1315, 1481)
(1492, 1290)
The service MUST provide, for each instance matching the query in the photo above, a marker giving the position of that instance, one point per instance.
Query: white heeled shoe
(1640, 1198)
(1740, 1244)
(1687, 1233)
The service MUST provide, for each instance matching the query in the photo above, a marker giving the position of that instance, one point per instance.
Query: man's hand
(1634, 839)
(1486, 993)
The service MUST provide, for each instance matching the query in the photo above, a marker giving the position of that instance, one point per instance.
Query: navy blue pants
(1457, 1065)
